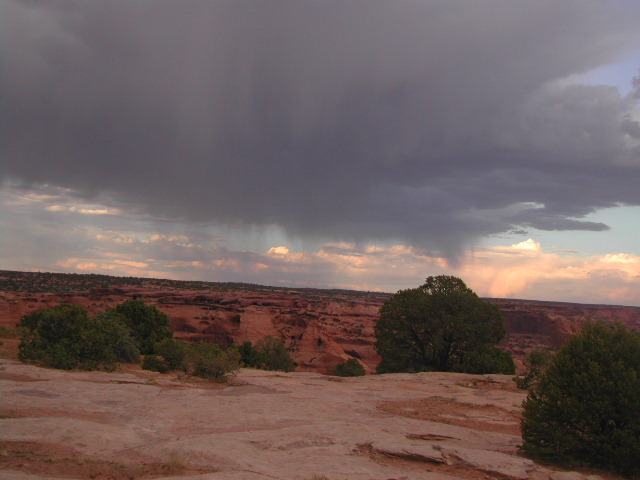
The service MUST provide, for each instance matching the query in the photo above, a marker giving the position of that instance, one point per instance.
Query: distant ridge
(498, 301)
(321, 327)
(39, 282)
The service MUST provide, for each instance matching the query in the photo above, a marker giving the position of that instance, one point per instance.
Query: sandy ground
(134, 424)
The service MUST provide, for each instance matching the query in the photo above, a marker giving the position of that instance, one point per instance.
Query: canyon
(321, 328)
(303, 425)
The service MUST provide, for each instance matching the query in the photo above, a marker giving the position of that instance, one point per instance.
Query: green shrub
(208, 360)
(350, 368)
(585, 408)
(249, 355)
(53, 336)
(155, 364)
(273, 355)
(490, 359)
(269, 353)
(205, 360)
(174, 353)
(65, 337)
(114, 339)
(534, 364)
(149, 326)
(65, 355)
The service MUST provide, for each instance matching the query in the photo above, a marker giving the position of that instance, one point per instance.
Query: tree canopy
(443, 326)
(149, 326)
(66, 337)
(585, 408)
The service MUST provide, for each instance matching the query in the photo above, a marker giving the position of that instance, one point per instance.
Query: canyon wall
(321, 327)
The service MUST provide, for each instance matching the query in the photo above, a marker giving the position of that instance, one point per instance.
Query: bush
(249, 355)
(155, 364)
(149, 326)
(443, 326)
(114, 332)
(208, 360)
(205, 360)
(584, 411)
(174, 353)
(489, 359)
(534, 364)
(269, 353)
(65, 337)
(350, 368)
(274, 355)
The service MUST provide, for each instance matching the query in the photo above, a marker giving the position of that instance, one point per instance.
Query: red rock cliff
(321, 327)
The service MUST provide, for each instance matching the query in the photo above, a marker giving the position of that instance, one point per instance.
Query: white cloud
(278, 251)
(528, 245)
(526, 269)
(554, 276)
(132, 264)
(521, 270)
(85, 210)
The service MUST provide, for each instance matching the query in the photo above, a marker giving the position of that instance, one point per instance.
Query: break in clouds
(432, 123)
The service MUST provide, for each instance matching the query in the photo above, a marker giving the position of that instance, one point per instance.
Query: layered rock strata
(321, 327)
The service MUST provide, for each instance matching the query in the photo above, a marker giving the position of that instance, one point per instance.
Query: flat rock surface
(137, 424)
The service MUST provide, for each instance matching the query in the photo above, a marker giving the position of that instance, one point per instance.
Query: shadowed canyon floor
(134, 424)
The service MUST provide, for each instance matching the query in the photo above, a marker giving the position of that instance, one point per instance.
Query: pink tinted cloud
(523, 270)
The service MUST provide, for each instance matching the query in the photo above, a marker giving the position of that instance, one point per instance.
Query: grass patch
(6, 332)
(177, 460)
(47, 460)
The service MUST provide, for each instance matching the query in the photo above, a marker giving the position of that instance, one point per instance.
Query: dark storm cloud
(430, 122)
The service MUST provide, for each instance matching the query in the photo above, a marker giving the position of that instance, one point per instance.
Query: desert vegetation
(47, 282)
(350, 368)
(204, 360)
(269, 353)
(581, 409)
(66, 337)
(7, 332)
(210, 361)
(585, 408)
(441, 326)
(535, 364)
(148, 325)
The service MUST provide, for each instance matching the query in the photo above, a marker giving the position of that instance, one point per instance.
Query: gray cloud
(426, 122)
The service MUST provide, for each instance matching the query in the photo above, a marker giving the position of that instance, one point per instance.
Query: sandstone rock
(402, 448)
(507, 466)
(17, 475)
(322, 328)
(554, 475)
(262, 425)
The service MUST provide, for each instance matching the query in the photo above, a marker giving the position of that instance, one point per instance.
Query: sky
(358, 144)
